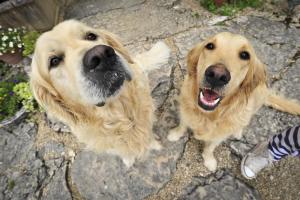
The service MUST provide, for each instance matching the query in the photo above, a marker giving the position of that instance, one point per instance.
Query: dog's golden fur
(242, 97)
(123, 126)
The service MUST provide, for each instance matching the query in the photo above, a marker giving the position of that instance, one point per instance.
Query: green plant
(11, 184)
(24, 95)
(8, 101)
(29, 40)
(4, 68)
(14, 94)
(230, 7)
(11, 39)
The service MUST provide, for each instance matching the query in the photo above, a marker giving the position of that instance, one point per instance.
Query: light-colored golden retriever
(86, 78)
(224, 87)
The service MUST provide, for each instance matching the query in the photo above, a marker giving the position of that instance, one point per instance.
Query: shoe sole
(242, 168)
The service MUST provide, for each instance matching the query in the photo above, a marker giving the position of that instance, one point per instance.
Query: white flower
(3, 44)
(12, 51)
(19, 45)
(1, 54)
(11, 44)
(4, 38)
(10, 29)
(15, 30)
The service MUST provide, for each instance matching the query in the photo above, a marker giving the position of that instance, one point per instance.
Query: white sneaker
(257, 159)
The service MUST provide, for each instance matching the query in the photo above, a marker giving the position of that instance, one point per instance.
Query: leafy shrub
(24, 95)
(230, 7)
(29, 40)
(13, 95)
(9, 103)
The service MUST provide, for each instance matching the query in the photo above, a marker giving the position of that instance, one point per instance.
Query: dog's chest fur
(124, 124)
(226, 121)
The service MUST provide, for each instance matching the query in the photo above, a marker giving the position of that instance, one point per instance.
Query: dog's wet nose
(100, 57)
(217, 75)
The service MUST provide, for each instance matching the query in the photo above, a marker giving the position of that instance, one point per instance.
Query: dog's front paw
(155, 145)
(128, 161)
(238, 135)
(210, 163)
(175, 134)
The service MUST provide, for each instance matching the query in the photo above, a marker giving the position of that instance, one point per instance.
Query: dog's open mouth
(208, 99)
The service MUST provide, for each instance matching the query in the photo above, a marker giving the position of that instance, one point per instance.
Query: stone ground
(40, 159)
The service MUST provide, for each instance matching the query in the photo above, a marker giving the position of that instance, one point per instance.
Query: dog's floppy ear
(52, 103)
(192, 59)
(255, 76)
(114, 42)
(48, 97)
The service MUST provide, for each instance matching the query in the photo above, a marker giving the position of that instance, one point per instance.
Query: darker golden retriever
(224, 87)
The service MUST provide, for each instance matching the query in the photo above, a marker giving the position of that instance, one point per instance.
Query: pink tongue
(210, 95)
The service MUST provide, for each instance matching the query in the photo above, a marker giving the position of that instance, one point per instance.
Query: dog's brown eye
(244, 55)
(91, 36)
(210, 46)
(54, 61)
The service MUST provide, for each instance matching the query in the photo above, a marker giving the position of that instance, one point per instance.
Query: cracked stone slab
(84, 8)
(218, 186)
(57, 188)
(148, 20)
(28, 172)
(102, 176)
(289, 84)
(15, 144)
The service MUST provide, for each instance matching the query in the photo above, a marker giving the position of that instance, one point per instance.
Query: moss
(231, 7)
(11, 184)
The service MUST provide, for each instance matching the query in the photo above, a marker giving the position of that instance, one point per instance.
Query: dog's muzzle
(216, 77)
(104, 68)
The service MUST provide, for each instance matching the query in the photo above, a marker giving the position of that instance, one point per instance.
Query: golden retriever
(86, 78)
(224, 87)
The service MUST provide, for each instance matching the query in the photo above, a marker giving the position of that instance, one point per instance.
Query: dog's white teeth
(204, 101)
(201, 96)
(216, 101)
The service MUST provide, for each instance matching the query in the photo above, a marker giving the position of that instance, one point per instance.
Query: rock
(87, 8)
(147, 21)
(106, 177)
(28, 172)
(219, 186)
(16, 144)
(288, 85)
(57, 188)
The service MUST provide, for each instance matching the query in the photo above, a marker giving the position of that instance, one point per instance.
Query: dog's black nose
(217, 75)
(100, 57)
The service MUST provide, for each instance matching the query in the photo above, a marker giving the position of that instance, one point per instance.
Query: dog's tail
(283, 104)
(157, 56)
